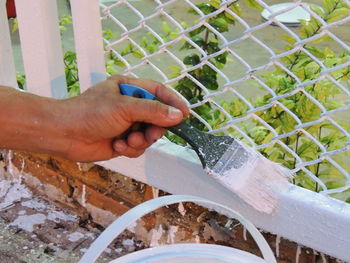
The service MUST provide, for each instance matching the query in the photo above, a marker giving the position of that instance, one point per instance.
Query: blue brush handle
(186, 131)
(133, 91)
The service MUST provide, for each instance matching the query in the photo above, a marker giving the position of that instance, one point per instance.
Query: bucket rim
(194, 250)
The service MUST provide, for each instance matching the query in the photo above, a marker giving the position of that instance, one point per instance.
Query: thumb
(153, 112)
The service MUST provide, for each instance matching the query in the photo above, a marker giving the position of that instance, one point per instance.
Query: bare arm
(97, 125)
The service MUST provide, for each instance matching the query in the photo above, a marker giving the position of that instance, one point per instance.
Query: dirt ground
(33, 230)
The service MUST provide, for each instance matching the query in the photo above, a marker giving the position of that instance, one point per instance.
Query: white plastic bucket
(179, 253)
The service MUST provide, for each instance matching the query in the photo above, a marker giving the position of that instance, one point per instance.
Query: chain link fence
(252, 70)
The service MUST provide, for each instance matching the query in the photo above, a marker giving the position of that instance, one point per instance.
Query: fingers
(137, 142)
(165, 94)
(149, 111)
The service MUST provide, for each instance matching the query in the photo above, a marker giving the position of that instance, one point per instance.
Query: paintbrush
(241, 169)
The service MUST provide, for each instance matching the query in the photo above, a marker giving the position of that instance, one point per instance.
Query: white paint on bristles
(258, 181)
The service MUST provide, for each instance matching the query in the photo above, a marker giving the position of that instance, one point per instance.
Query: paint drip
(297, 254)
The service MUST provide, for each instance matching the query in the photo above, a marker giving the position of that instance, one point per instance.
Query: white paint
(244, 233)
(155, 236)
(14, 193)
(132, 227)
(41, 47)
(27, 222)
(181, 209)
(100, 216)
(7, 65)
(57, 216)
(118, 250)
(258, 181)
(171, 234)
(155, 192)
(4, 187)
(83, 196)
(197, 239)
(297, 254)
(304, 217)
(278, 241)
(35, 204)
(128, 242)
(75, 236)
(88, 42)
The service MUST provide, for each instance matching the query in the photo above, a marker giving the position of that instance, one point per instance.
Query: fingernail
(174, 113)
(119, 146)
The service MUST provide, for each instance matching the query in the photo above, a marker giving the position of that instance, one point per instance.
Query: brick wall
(100, 195)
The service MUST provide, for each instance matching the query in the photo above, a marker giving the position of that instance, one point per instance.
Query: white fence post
(7, 65)
(88, 42)
(41, 47)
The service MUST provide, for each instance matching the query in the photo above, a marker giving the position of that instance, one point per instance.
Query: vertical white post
(41, 47)
(88, 42)
(7, 65)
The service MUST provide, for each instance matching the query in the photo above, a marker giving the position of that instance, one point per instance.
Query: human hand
(101, 123)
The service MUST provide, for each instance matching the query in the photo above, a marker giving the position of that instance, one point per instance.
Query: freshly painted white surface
(41, 47)
(7, 65)
(303, 216)
(88, 42)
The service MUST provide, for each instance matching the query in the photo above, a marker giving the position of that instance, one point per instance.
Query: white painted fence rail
(309, 218)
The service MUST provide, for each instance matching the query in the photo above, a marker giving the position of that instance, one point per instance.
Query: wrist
(32, 123)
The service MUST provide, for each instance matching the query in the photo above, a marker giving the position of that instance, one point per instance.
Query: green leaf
(191, 59)
(215, 3)
(209, 82)
(253, 4)
(108, 34)
(288, 38)
(220, 24)
(137, 53)
(328, 5)
(317, 10)
(315, 51)
(222, 57)
(236, 8)
(337, 14)
(166, 28)
(206, 8)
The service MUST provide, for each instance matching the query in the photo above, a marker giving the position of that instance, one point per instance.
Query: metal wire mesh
(283, 90)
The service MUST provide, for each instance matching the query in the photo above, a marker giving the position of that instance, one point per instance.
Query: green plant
(279, 80)
(278, 116)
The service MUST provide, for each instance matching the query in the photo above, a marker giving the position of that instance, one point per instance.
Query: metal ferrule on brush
(235, 157)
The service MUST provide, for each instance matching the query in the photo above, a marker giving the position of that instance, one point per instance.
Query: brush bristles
(258, 182)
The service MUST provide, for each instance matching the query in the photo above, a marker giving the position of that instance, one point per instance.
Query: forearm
(31, 123)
